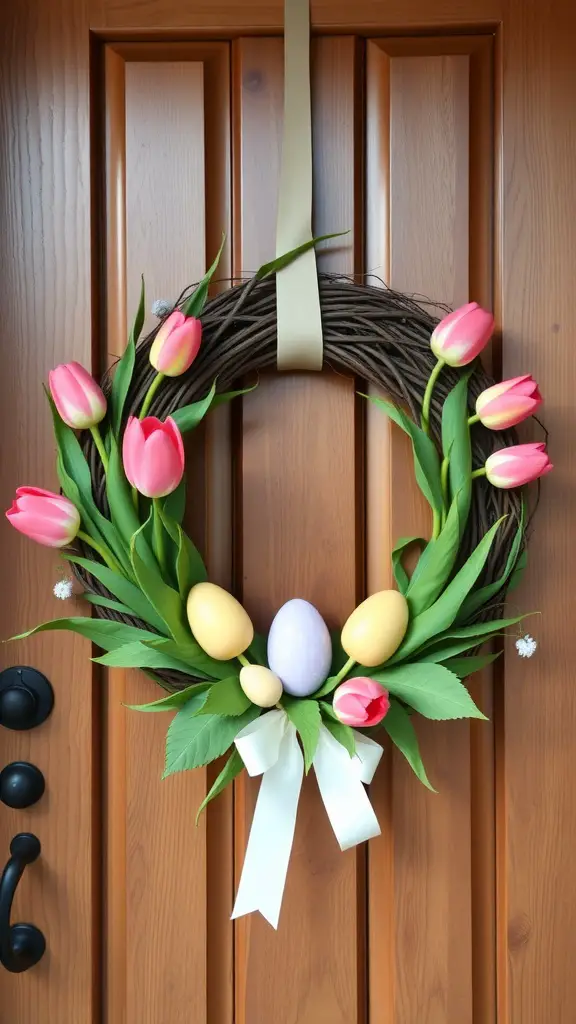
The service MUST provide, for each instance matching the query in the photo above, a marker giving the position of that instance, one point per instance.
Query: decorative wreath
(299, 697)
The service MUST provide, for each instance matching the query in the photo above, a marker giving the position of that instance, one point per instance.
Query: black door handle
(21, 945)
(26, 697)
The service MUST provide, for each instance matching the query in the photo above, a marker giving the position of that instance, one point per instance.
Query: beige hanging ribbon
(297, 294)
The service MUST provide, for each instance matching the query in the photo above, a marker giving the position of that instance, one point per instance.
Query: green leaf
(126, 592)
(125, 368)
(442, 613)
(226, 697)
(124, 515)
(305, 715)
(400, 574)
(194, 304)
(228, 396)
(282, 261)
(195, 740)
(175, 503)
(480, 597)
(426, 460)
(455, 640)
(192, 654)
(138, 655)
(189, 416)
(339, 659)
(194, 696)
(518, 571)
(258, 650)
(430, 689)
(166, 601)
(402, 733)
(343, 733)
(103, 632)
(231, 769)
(464, 667)
(456, 445)
(106, 602)
(435, 565)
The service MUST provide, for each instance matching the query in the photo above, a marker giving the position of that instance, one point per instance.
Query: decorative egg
(260, 685)
(299, 647)
(376, 628)
(218, 621)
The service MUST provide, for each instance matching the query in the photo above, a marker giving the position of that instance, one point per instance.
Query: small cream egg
(261, 685)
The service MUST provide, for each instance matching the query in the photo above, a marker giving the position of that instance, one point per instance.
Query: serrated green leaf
(439, 616)
(195, 740)
(480, 597)
(166, 602)
(126, 592)
(189, 416)
(464, 667)
(426, 459)
(283, 261)
(398, 551)
(103, 632)
(226, 697)
(456, 444)
(138, 655)
(430, 689)
(194, 304)
(231, 769)
(399, 727)
(343, 733)
(125, 368)
(305, 715)
(193, 696)
(435, 565)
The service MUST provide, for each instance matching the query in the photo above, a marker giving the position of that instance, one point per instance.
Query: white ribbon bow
(269, 747)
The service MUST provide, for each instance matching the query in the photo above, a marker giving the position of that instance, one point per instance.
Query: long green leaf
(464, 667)
(106, 602)
(426, 460)
(103, 632)
(226, 697)
(305, 715)
(138, 655)
(231, 769)
(189, 416)
(430, 689)
(195, 740)
(398, 551)
(195, 303)
(480, 597)
(399, 727)
(123, 589)
(435, 565)
(466, 637)
(190, 568)
(442, 613)
(288, 257)
(175, 503)
(228, 396)
(456, 445)
(124, 515)
(166, 602)
(125, 368)
(192, 695)
(192, 654)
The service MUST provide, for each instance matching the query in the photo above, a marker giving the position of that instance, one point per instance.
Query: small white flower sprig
(526, 646)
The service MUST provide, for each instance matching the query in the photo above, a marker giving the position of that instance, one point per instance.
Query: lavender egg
(299, 647)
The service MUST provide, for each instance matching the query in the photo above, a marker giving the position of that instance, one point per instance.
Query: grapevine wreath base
(302, 697)
(375, 334)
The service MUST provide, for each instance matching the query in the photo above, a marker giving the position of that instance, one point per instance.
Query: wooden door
(132, 134)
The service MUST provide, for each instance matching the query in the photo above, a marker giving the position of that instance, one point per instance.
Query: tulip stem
(158, 534)
(436, 524)
(479, 472)
(97, 436)
(150, 394)
(105, 555)
(473, 419)
(428, 394)
(444, 480)
(343, 672)
(243, 660)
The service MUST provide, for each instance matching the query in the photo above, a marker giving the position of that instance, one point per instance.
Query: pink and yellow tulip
(506, 404)
(176, 345)
(77, 396)
(361, 702)
(50, 519)
(517, 465)
(462, 335)
(153, 455)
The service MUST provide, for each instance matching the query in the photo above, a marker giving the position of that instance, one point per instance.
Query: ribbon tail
(271, 835)
(347, 805)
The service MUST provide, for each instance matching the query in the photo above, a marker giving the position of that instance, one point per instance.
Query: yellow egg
(218, 621)
(376, 628)
(261, 685)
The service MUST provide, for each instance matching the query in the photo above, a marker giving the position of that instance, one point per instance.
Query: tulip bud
(176, 345)
(153, 455)
(77, 396)
(361, 702)
(218, 621)
(462, 335)
(517, 465)
(506, 404)
(50, 519)
(376, 628)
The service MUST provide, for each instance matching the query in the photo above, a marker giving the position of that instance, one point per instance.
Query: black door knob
(21, 784)
(21, 945)
(26, 698)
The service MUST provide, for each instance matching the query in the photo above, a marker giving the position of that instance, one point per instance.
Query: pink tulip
(462, 335)
(506, 404)
(47, 518)
(77, 397)
(176, 345)
(153, 455)
(518, 465)
(361, 702)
